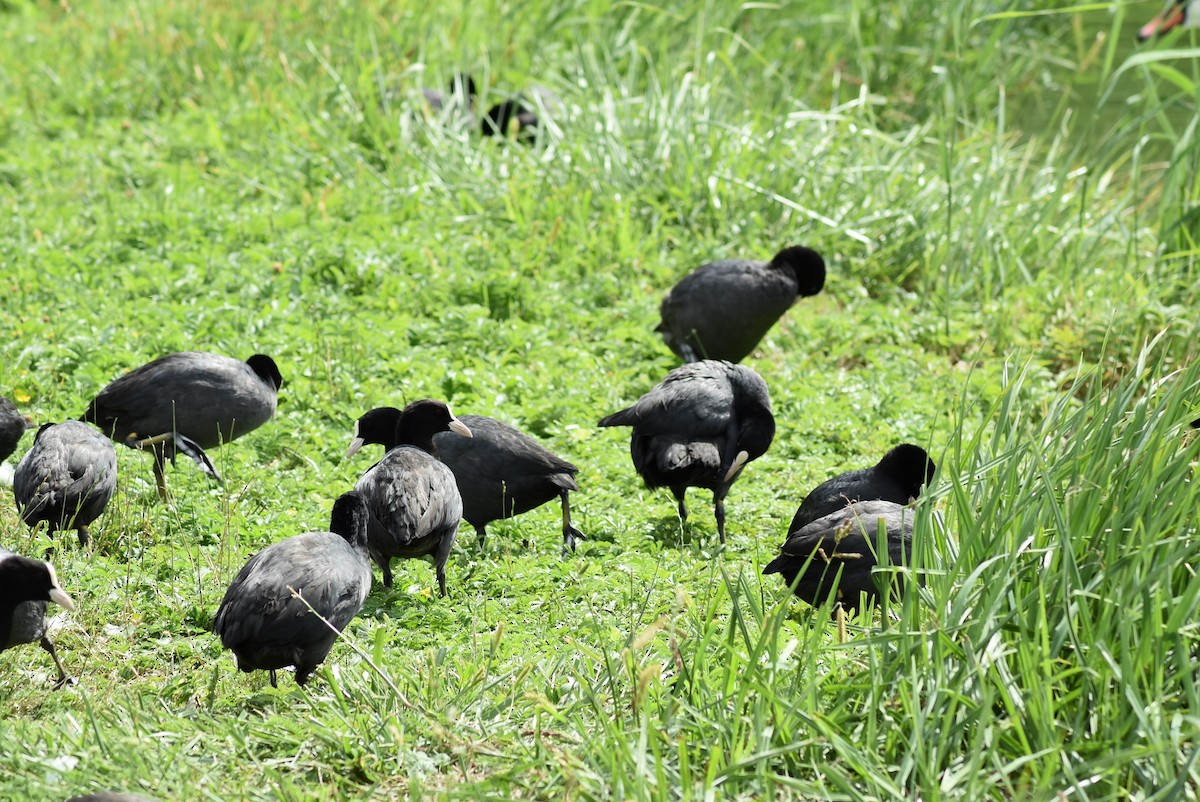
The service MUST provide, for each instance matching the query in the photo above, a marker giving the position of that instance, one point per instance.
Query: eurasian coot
(26, 585)
(12, 425)
(722, 309)
(414, 501)
(66, 478)
(187, 402)
(838, 552)
(265, 624)
(699, 428)
(898, 477)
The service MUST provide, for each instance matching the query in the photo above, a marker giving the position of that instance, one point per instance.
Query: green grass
(1006, 200)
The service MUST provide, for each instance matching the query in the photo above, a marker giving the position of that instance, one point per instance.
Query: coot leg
(719, 513)
(481, 531)
(386, 564)
(441, 578)
(274, 684)
(570, 533)
(63, 678)
(85, 536)
(679, 494)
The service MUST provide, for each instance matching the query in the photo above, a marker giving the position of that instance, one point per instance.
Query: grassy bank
(259, 177)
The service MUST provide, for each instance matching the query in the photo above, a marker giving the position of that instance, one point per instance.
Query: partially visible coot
(723, 309)
(66, 478)
(263, 621)
(524, 116)
(898, 478)
(187, 402)
(12, 425)
(26, 585)
(699, 428)
(502, 472)
(414, 501)
(836, 554)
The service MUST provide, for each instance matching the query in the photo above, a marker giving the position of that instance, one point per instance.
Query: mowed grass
(264, 177)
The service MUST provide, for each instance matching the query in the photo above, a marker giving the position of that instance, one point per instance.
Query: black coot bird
(413, 499)
(12, 425)
(526, 113)
(699, 428)
(837, 552)
(898, 478)
(262, 621)
(26, 585)
(66, 478)
(187, 402)
(722, 309)
(502, 472)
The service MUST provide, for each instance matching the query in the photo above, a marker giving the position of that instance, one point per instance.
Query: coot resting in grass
(12, 425)
(26, 585)
(723, 309)
(187, 402)
(66, 478)
(898, 478)
(699, 428)
(413, 499)
(262, 621)
(837, 552)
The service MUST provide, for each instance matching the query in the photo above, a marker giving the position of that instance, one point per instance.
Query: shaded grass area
(256, 177)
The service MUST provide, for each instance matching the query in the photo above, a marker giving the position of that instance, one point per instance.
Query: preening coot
(187, 402)
(12, 425)
(838, 552)
(262, 621)
(722, 309)
(898, 478)
(26, 585)
(66, 478)
(413, 499)
(502, 472)
(699, 428)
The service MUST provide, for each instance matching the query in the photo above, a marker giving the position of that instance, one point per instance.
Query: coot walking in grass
(187, 402)
(723, 309)
(413, 499)
(66, 478)
(12, 425)
(898, 478)
(262, 621)
(502, 472)
(837, 552)
(699, 428)
(26, 585)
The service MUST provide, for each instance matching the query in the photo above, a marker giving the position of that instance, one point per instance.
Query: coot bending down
(722, 309)
(502, 472)
(898, 478)
(262, 621)
(413, 499)
(187, 402)
(66, 478)
(12, 425)
(699, 428)
(26, 585)
(838, 552)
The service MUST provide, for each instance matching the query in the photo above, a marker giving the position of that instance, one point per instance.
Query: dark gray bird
(187, 402)
(413, 499)
(722, 309)
(836, 554)
(66, 478)
(699, 428)
(264, 623)
(527, 114)
(898, 478)
(26, 585)
(12, 425)
(502, 472)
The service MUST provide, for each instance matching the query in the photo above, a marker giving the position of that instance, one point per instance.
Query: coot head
(806, 265)
(909, 465)
(266, 370)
